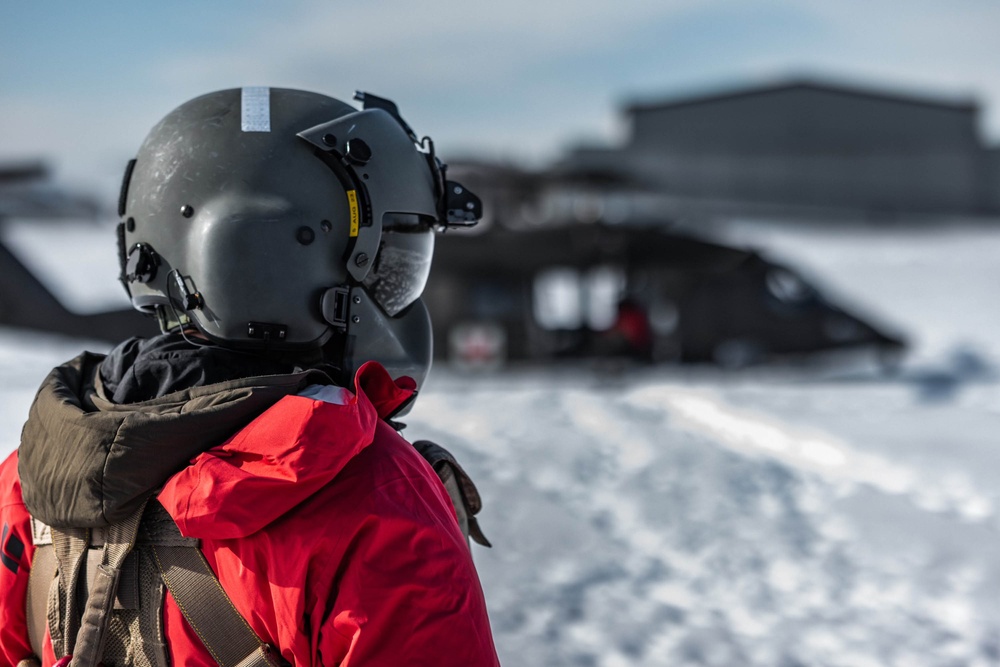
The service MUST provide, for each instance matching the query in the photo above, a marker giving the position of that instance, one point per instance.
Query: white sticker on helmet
(256, 109)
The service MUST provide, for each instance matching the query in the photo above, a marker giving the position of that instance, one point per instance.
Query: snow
(680, 516)
(672, 520)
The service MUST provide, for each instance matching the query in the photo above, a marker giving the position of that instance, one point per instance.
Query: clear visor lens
(401, 268)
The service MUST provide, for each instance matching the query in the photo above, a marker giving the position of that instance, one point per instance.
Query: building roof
(968, 105)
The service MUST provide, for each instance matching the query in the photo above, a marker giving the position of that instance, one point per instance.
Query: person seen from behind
(234, 491)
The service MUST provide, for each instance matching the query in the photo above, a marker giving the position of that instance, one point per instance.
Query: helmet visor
(401, 268)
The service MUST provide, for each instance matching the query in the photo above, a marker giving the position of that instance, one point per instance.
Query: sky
(519, 80)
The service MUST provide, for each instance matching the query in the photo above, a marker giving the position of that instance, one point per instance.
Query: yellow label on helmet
(352, 200)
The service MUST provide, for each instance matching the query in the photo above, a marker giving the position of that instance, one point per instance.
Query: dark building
(804, 148)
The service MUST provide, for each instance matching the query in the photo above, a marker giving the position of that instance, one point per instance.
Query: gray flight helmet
(284, 220)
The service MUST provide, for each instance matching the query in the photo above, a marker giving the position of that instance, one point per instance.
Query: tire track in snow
(703, 413)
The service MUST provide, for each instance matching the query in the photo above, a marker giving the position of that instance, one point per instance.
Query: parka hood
(85, 461)
(284, 456)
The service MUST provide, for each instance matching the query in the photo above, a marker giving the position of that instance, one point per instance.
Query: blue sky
(81, 83)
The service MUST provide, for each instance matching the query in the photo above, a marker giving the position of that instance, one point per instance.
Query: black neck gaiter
(142, 369)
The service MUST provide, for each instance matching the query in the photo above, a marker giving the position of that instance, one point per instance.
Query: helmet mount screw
(305, 235)
(361, 259)
(187, 210)
(355, 319)
(357, 299)
(358, 151)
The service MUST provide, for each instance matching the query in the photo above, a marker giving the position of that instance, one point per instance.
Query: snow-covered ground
(691, 517)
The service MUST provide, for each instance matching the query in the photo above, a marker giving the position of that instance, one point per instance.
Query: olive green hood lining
(85, 461)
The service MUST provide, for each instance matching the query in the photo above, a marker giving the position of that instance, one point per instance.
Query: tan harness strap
(186, 574)
(40, 581)
(70, 547)
(208, 609)
(120, 538)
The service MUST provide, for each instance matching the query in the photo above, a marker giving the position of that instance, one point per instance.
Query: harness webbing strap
(55, 599)
(40, 581)
(90, 640)
(70, 546)
(208, 609)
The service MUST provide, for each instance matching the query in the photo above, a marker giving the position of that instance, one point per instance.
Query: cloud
(493, 72)
(520, 79)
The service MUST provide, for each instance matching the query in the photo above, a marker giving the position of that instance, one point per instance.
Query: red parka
(334, 539)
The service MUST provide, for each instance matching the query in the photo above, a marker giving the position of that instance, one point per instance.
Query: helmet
(285, 220)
